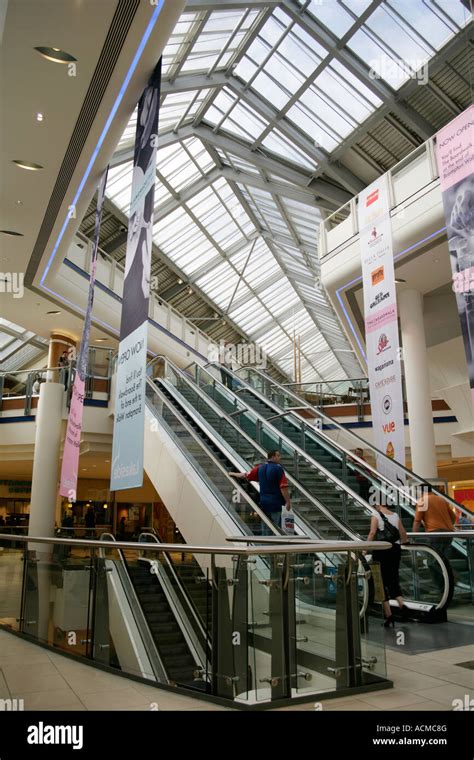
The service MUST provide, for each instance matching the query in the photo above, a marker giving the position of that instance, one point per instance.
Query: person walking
(274, 492)
(387, 526)
(227, 365)
(435, 514)
(90, 522)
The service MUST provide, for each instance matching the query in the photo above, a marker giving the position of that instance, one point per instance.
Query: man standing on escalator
(274, 491)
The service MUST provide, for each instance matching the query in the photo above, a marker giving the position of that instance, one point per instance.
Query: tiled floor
(48, 681)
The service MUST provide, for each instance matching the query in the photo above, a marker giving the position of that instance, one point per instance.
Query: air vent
(114, 42)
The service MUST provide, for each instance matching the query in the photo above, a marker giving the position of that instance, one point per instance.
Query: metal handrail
(425, 147)
(366, 444)
(327, 473)
(456, 533)
(324, 510)
(160, 300)
(321, 547)
(254, 507)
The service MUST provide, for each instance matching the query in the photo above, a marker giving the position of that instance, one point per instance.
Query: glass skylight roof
(234, 208)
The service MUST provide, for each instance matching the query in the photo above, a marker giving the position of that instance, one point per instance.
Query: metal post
(348, 639)
(222, 649)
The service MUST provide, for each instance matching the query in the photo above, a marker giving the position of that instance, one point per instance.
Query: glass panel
(11, 581)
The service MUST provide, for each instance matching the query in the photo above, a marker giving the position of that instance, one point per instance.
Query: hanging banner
(129, 422)
(455, 154)
(72, 442)
(381, 326)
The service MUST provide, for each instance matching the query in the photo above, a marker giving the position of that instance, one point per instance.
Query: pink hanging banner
(455, 154)
(72, 442)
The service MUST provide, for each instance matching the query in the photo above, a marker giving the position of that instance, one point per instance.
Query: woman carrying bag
(387, 526)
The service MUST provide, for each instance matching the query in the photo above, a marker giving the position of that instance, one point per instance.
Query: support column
(58, 343)
(417, 382)
(44, 491)
(44, 486)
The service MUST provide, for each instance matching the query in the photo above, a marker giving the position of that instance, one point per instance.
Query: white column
(44, 486)
(417, 382)
(44, 491)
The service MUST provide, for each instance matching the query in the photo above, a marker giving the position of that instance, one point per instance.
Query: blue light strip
(111, 116)
(358, 279)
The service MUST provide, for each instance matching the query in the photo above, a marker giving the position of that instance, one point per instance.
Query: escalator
(162, 616)
(215, 445)
(174, 650)
(324, 488)
(401, 486)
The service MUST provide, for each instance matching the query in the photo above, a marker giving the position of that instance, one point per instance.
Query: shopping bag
(288, 521)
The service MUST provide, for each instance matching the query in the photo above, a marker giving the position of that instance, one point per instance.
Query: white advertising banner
(381, 326)
(129, 422)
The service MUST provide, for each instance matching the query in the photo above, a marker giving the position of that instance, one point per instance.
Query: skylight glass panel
(213, 215)
(279, 298)
(119, 186)
(128, 136)
(434, 27)
(249, 316)
(275, 93)
(219, 284)
(214, 37)
(332, 15)
(323, 136)
(282, 146)
(244, 119)
(401, 36)
(200, 155)
(302, 51)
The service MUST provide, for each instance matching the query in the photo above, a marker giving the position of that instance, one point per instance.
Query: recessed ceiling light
(100, 340)
(18, 203)
(12, 233)
(56, 55)
(32, 167)
(39, 117)
(436, 261)
(190, 290)
(53, 312)
(180, 282)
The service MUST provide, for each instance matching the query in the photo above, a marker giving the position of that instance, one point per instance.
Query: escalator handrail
(254, 507)
(447, 590)
(318, 433)
(134, 603)
(333, 519)
(335, 423)
(179, 583)
(327, 473)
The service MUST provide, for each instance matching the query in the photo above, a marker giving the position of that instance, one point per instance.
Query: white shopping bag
(288, 521)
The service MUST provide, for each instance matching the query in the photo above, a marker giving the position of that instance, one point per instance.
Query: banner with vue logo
(381, 327)
(455, 154)
(127, 452)
(72, 442)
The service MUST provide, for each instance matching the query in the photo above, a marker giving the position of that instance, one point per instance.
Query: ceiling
(273, 114)
(270, 119)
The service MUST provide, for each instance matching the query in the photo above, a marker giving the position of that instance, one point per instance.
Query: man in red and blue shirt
(273, 486)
